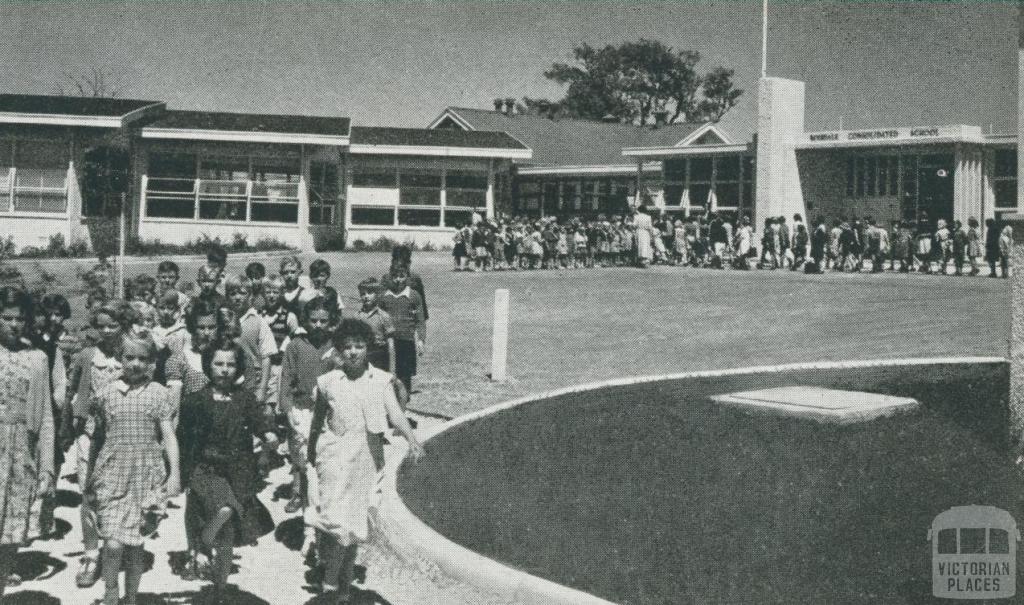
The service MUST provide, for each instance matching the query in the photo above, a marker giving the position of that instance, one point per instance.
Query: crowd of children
(718, 240)
(166, 391)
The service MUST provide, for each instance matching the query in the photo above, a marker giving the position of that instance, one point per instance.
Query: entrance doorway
(935, 186)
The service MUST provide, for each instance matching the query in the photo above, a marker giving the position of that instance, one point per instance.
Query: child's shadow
(66, 498)
(234, 597)
(32, 565)
(358, 597)
(290, 532)
(30, 597)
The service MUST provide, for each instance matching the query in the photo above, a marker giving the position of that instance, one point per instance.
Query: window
(419, 189)
(972, 540)
(1004, 178)
(529, 195)
(274, 195)
(872, 176)
(375, 179)
(947, 542)
(223, 188)
(323, 193)
(466, 189)
(998, 542)
(40, 176)
(373, 216)
(171, 185)
(419, 201)
(727, 181)
(749, 190)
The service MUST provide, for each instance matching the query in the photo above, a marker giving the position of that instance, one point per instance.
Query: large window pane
(6, 154)
(275, 171)
(699, 194)
(727, 168)
(221, 210)
(728, 194)
(276, 213)
(40, 201)
(673, 195)
(700, 169)
(466, 180)
(1006, 162)
(166, 207)
(416, 217)
(1006, 193)
(375, 179)
(421, 180)
(172, 165)
(416, 196)
(224, 168)
(462, 197)
(457, 217)
(675, 170)
(373, 216)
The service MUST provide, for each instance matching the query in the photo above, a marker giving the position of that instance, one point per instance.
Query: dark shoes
(88, 572)
(294, 505)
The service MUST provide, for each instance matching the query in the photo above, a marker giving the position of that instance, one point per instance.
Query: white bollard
(499, 337)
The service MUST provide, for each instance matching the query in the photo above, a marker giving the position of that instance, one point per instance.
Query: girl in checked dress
(353, 404)
(129, 482)
(26, 427)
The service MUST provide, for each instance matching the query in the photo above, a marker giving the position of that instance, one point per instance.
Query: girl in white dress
(352, 406)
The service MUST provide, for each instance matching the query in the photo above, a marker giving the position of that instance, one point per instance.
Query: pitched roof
(378, 135)
(570, 142)
(73, 111)
(249, 127)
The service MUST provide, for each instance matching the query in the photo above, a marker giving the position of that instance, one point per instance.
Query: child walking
(217, 428)
(353, 404)
(26, 427)
(129, 481)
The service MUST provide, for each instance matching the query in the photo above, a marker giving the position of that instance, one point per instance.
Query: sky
(394, 63)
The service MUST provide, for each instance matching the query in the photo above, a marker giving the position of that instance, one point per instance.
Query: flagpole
(764, 39)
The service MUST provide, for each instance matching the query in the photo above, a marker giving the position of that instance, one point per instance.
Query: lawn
(569, 327)
(652, 494)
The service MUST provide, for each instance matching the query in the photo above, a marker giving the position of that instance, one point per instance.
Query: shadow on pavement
(30, 597)
(34, 565)
(358, 597)
(290, 533)
(68, 499)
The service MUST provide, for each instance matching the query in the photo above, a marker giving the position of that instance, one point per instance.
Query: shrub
(79, 248)
(332, 242)
(6, 248)
(239, 242)
(57, 248)
(32, 252)
(358, 246)
(268, 244)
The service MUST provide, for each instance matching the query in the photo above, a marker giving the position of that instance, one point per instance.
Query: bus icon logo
(974, 553)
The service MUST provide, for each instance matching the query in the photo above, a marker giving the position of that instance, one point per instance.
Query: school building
(66, 162)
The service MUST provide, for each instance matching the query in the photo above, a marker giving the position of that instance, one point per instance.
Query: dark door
(935, 186)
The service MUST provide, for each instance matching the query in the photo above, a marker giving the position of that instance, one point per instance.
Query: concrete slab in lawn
(820, 404)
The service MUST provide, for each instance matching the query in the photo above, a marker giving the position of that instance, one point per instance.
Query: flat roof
(451, 143)
(250, 128)
(894, 137)
(54, 110)
(696, 150)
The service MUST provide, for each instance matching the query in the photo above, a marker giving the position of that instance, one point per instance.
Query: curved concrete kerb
(410, 536)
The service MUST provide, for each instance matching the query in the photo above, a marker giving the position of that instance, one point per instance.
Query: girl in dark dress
(217, 426)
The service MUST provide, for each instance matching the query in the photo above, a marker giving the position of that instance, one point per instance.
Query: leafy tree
(635, 81)
(719, 94)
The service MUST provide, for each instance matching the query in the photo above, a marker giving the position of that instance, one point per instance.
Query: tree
(636, 81)
(97, 83)
(719, 94)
